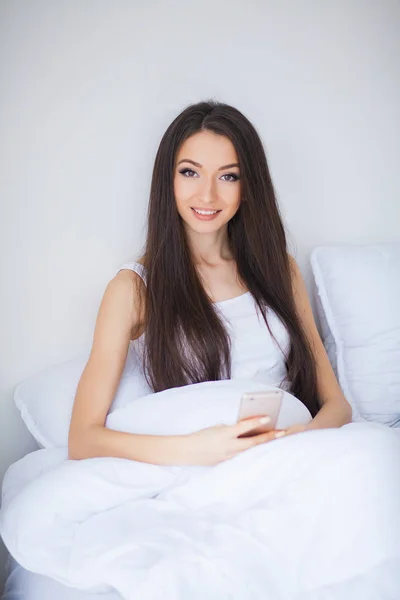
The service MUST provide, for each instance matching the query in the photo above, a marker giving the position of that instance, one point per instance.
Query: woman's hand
(213, 445)
(294, 429)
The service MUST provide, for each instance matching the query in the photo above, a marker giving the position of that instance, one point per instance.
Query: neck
(209, 248)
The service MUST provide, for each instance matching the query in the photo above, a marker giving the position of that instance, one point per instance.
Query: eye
(190, 173)
(233, 175)
(185, 172)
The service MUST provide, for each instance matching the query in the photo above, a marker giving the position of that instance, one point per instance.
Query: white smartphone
(254, 404)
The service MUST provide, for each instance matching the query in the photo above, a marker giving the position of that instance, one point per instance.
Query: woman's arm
(119, 315)
(335, 410)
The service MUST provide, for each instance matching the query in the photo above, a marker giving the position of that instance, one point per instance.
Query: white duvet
(314, 516)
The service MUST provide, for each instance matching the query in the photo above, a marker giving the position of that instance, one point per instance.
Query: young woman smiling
(215, 258)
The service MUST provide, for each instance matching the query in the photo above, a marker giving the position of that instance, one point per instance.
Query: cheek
(232, 196)
(182, 190)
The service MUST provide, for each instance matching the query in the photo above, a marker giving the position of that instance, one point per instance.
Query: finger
(261, 438)
(246, 425)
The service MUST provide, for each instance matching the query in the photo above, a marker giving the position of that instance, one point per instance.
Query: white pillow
(45, 400)
(358, 304)
(183, 410)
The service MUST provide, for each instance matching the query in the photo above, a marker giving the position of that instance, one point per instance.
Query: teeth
(205, 212)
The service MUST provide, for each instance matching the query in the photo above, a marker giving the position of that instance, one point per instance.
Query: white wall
(88, 88)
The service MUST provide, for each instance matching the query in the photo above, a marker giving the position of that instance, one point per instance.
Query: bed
(351, 283)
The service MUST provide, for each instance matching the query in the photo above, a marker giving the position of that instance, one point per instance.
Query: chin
(205, 226)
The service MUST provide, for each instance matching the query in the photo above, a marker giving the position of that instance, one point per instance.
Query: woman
(215, 296)
(214, 234)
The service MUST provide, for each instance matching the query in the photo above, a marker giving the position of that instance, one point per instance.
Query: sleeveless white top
(254, 352)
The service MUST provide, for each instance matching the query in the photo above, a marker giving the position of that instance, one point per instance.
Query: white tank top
(254, 352)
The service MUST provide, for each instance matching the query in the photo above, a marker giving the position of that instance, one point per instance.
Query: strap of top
(137, 268)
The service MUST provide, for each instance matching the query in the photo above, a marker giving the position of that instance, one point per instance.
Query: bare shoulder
(293, 264)
(125, 278)
(124, 295)
(296, 275)
(300, 292)
(301, 296)
(125, 284)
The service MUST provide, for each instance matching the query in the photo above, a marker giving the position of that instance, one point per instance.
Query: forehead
(209, 149)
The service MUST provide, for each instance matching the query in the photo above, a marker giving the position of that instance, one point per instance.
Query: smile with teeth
(205, 212)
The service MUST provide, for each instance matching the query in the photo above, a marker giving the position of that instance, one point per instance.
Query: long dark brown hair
(186, 341)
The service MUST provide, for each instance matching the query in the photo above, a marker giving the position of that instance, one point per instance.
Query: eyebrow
(196, 164)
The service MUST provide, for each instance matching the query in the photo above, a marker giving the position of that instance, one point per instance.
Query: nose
(208, 193)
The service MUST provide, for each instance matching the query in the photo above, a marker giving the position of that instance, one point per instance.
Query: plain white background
(88, 87)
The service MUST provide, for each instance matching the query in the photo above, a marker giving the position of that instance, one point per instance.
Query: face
(207, 181)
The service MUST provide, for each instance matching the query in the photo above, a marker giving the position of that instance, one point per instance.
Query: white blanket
(314, 516)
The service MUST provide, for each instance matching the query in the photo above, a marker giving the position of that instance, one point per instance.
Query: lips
(204, 214)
